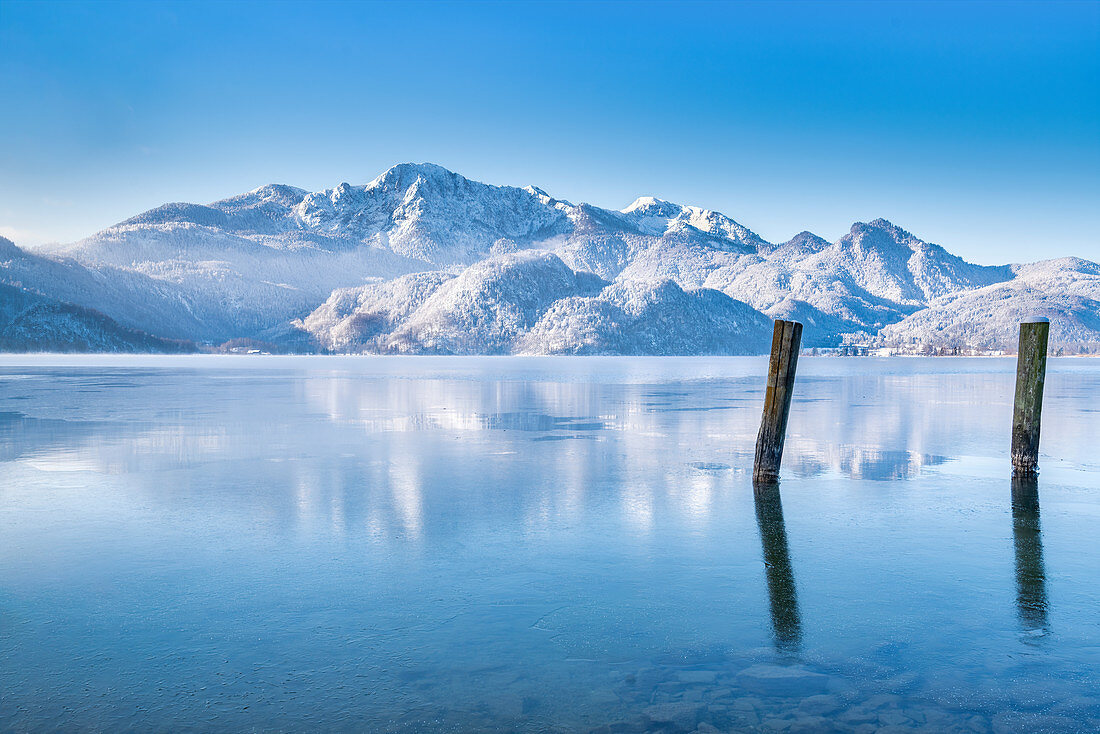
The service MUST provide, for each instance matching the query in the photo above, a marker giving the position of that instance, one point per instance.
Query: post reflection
(1031, 593)
(782, 596)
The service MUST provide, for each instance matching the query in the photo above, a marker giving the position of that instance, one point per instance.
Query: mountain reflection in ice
(869, 426)
(508, 544)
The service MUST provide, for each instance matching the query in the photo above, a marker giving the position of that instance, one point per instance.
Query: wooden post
(786, 341)
(1031, 370)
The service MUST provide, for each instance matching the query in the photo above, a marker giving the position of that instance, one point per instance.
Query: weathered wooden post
(1031, 370)
(786, 341)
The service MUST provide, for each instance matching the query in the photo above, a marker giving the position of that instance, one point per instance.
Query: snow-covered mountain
(483, 309)
(34, 323)
(649, 317)
(422, 259)
(533, 303)
(130, 298)
(1066, 290)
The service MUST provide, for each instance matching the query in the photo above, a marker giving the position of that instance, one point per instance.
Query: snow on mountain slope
(266, 210)
(778, 284)
(669, 240)
(531, 302)
(428, 213)
(360, 319)
(822, 329)
(33, 323)
(601, 241)
(649, 318)
(1066, 290)
(482, 309)
(801, 245)
(252, 265)
(132, 299)
(490, 303)
(240, 283)
(657, 217)
(875, 275)
(252, 262)
(891, 263)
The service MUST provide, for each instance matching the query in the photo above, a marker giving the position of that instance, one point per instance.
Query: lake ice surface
(545, 544)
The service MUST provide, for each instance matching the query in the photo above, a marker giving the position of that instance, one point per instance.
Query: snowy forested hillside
(422, 260)
(33, 323)
(1067, 291)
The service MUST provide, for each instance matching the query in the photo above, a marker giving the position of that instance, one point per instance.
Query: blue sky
(974, 125)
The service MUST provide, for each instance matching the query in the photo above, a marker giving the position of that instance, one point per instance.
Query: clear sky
(974, 125)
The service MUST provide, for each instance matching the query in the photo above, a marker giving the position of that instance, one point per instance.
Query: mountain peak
(9, 248)
(537, 191)
(276, 190)
(544, 197)
(277, 195)
(658, 217)
(806, 240)
(880, 232)
(404, 175)
(652, 206)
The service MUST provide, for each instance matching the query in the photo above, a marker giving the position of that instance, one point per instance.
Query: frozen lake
(502, 544)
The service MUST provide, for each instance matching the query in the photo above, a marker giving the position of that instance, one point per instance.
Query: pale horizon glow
(973, 125)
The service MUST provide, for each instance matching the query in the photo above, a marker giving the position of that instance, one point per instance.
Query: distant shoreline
(71, 356)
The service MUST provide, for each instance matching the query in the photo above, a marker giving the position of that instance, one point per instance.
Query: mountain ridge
(261, 263)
